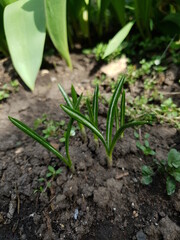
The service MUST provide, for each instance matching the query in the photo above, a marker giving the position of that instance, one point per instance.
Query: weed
(50, 176)
(8, 88)
(170, 168)
(145, 148)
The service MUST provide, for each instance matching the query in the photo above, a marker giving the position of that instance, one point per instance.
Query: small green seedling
(170, 168)
(51, 174)
(109, 143)
(147, 174)
(146, 149)
(66, 160)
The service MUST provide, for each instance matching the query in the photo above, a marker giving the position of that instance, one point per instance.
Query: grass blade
(68, 132)
(74, 95)
(111, 111)
(122, 129)
(66, 97)
(38, 138)
(95, 106)
(90, 112)
(119, 8)
(117, 117)
(123, 108)
(82, 119)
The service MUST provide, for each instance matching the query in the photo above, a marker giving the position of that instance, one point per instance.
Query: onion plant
(73, 104)
(93, 111)
(110, 141)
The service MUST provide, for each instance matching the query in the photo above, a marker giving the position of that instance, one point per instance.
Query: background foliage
(23, 25)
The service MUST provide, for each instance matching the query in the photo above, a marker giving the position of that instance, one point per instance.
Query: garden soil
(95, 203)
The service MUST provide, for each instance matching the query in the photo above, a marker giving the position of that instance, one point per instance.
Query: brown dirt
(95, 203)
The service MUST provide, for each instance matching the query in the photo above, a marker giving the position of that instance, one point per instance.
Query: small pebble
(141, 235)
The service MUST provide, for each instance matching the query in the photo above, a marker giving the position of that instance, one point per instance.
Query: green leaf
(95, 106)
(56, 21)
(122, 129)
(111, 111)
(146, 143)
(119, 7)
(38, 138)
(51, 169)
(62, 139)
(90, 112)
(123, 108)
(59, 171)
(24, 23)
(41, 179)
(82, 119)
(118, 39)
(176, 174)
(68, 132)
(147, 171)
(74, 95)
(174, 158)
(146, 136)
(140, 146)
(146, 180)
(117, 117)
(49, 174)
(143, 10)
(4, 3)
(174, 18)
(3, 43)
(66, 97)
(62, 123)
(151, 152)
(170, 185)
(136, 134)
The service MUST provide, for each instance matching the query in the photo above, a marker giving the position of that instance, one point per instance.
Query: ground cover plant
(169, 167)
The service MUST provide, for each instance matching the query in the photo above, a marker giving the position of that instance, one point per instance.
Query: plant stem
(83, 132)
(109, 160)
(96, 141)
(72, 168)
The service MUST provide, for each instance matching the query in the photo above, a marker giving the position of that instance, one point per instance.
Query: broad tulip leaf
(118, 39)
(4, 3)
(57, 26)
(24, 23)
(119, 8)
(3, 44)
